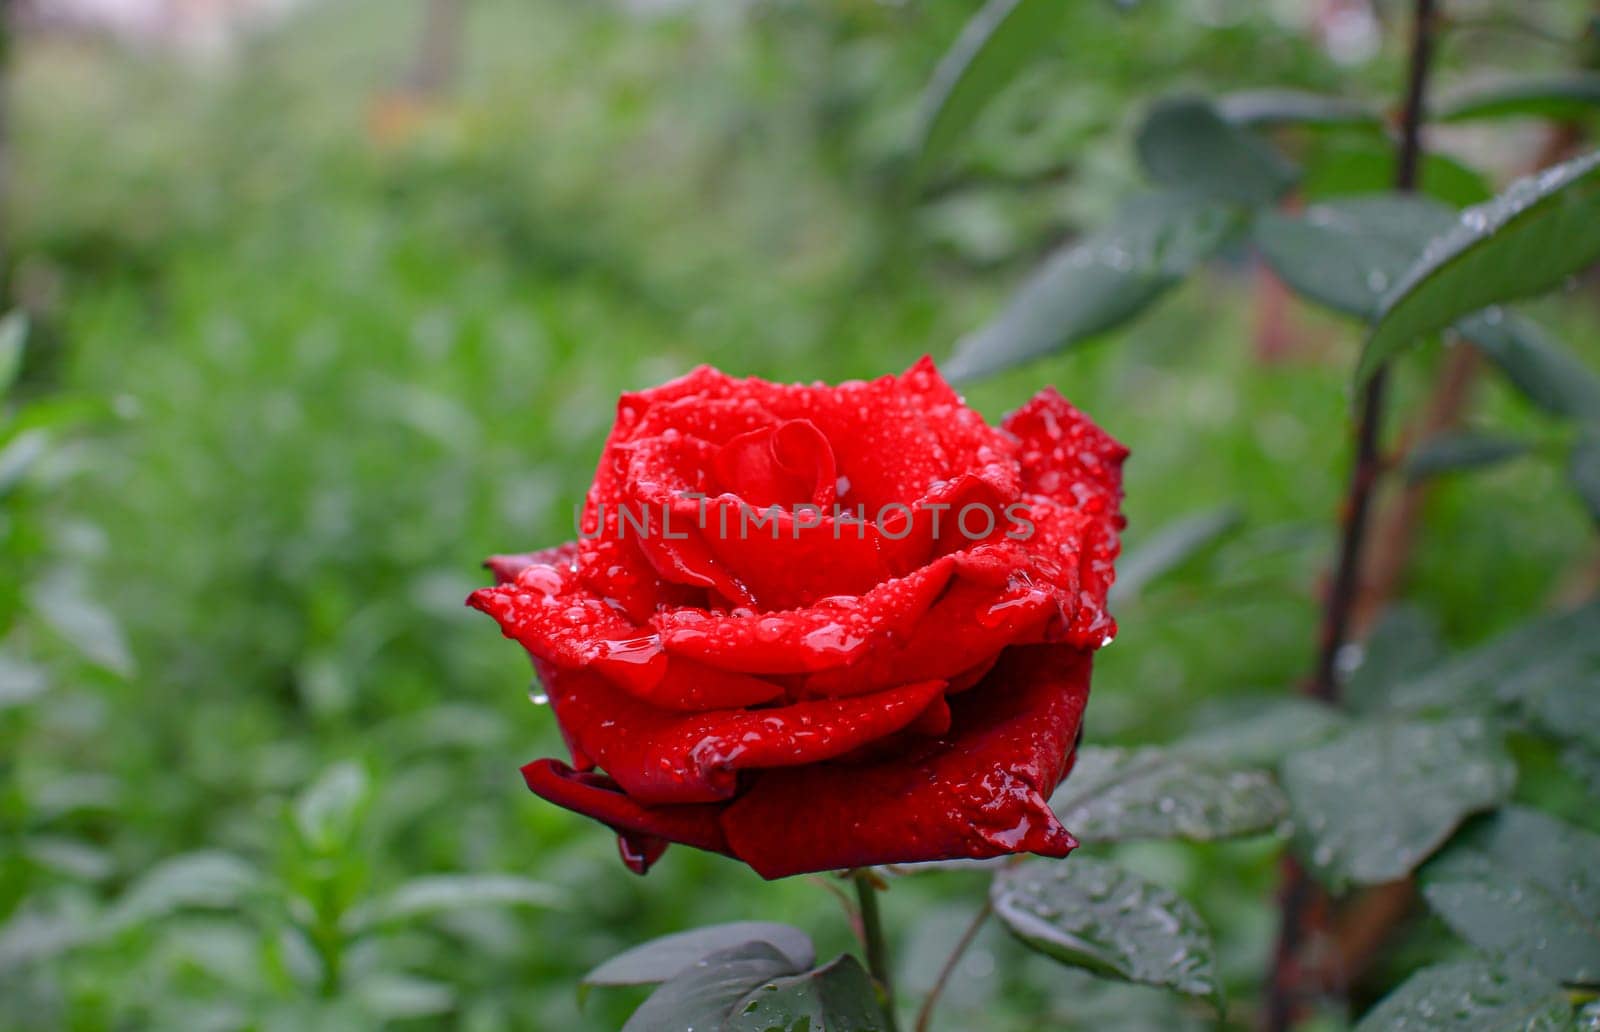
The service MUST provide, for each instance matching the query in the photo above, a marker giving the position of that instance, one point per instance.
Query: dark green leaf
(993, 47)
(1460, 451)
(1523, 885)
(1118, 794)
(1339, 165)
(1168, 548)
(1526, 241)
(1184, 144)
(702, 995)
(1538, 365)
(1092, 914)
(661, 959)
(1294, 107)
(13, 332)
(1372, 804)
(1404, 645)
(1348, 254)
(838, 997)
(1584, 765)
(1490, 674)
(1559, 695)
(1261, 732)
(1096, 283)
(1567, 95)
(1471, 997)
(1583, 470)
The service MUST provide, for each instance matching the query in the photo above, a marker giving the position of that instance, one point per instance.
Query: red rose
(819, 627)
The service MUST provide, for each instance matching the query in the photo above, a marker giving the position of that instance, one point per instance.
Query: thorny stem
(925, 1014)
(1299, 893)
(867, 888)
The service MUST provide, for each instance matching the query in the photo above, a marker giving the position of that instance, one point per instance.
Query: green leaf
(17, 457)
(1583, 470)
(1405, 644)
(1558, 695)
(13, 334)
(326, 811)
(1526, 241)
(1460, 451)
(61, 599)
(1095, 915)
(1491, 673)
(1339, 165)
(1152, 793)
(1262, 731)
(1584, 765)
(838, 997)
(1275, 107)
(1184, 144)
(1168, 548)
(396, 996)
(209, 879)
(1097, 283)
(1564, 96)
(1539, 366)
(663, 958)
(444, 893)
(704, 994)
(20, 683)
(1347, 254)
(1372, 804)
(1471, 996)
(993, 47)
(1523, 886)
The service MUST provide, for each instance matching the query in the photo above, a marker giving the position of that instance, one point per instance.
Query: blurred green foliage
(306, 349)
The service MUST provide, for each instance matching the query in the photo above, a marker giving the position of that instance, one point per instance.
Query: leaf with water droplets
(1523, 885)
(661, 959)
(1185, 144)
(1097, 283)
(703, 994)
(1372, 804)
(1255, 731)
(1471, 996)
(1119, 794)
(1525, 241)
(837, 997)
(1346, 254)
(1093, 914)
(1460, 451)
(1405, 644)
(1538, 365)
(1566, 95)
(1275, 107)
(1168, 548)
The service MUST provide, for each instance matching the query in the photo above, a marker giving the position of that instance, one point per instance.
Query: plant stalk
(1300, 896)
(872, 938)
(925, 1015)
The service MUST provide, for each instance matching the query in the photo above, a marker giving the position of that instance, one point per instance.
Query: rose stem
(1299, 893)
(872, 938)
(925, 1015)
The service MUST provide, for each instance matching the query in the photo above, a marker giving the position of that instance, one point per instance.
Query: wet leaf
(1404, 644)
(837, 997)
(1525, 241)
(1096, 283)
(1461, 451)
(1539, 366)
(663, 958)
(1583, 470)
(704, 994)
(1339, 165)
(1372, 804)
(1118, 794)
(1523, 885)
(445, 893)
(1184, 144)
(1262, 731)
(1168, 548)
(1275, 107)
(1559, 695)
(1471, 996)
(209, 879)
(993, 47)
(1095, 915)
(1348, 254)
(1564, 96)
(326, 811)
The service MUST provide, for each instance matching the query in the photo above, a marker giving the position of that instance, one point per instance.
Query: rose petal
(597, 796)
(980, 794)
(788, 464)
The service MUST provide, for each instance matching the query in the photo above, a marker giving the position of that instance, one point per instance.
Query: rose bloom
(818, 627)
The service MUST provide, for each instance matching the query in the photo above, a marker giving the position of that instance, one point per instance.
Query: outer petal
(660, 756)
(597, 796)
(982, 793)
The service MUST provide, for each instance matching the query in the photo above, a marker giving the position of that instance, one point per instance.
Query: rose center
(788, 464)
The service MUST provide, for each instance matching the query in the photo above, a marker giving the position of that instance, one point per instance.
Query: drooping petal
(595, 795)
(980, 793)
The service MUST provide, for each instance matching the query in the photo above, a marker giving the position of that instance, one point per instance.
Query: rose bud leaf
(1372, 804)
(662, 959)
(1118, 794)
(1471, 996)
(1092, 914)
(837, 997)
(1522, 885)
